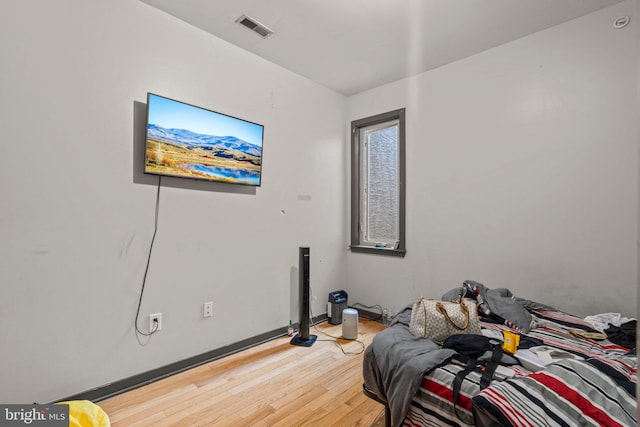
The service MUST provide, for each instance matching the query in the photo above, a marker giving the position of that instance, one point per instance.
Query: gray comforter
(395, 363)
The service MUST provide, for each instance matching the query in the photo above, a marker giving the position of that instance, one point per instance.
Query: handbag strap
(440, 308)
(457, 382)
(490, 367)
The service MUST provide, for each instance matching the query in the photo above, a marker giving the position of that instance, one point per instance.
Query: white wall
(77, 214)
(522, 172)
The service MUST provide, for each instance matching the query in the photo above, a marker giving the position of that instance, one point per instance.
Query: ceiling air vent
(255, 26)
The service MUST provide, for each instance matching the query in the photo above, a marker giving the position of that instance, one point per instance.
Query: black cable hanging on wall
(146, 270)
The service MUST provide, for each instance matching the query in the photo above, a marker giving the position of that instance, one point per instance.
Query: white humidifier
(349, 324)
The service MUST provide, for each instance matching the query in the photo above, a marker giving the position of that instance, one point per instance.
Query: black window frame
(356, 183)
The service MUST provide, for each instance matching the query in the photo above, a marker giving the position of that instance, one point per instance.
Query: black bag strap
(487, 375)
(490, 367)
(457, 382)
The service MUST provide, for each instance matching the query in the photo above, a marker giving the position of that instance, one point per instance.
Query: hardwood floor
(273, 384)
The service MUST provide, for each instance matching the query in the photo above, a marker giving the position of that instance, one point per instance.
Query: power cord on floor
(339, 344)
(335, 339)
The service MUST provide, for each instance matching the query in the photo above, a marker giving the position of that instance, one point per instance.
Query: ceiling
(354, 45)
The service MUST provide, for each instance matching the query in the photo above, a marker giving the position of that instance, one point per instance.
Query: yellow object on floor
(84, 413)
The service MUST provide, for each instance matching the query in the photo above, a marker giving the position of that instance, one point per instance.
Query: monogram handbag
(437, 320)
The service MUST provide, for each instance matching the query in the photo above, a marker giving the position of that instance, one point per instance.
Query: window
(377, 184)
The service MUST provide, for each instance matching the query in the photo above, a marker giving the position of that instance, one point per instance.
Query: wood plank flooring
(273, 384)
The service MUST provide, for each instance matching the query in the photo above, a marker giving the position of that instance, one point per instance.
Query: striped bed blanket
(596, 388)
(567, 393)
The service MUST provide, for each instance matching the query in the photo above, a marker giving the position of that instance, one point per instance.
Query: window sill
(378, 251)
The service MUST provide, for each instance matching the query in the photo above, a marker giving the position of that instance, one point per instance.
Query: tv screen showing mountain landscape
(192, 142)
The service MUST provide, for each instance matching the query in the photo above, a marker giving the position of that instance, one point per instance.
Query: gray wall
(522, 172)
(77, 215)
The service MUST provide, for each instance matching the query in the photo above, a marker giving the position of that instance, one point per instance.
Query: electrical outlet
(207, 309)
(155, 322)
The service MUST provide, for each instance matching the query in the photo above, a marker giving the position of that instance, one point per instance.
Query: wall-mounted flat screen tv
(191, 142)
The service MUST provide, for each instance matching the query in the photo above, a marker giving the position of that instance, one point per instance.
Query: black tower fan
(303, 338)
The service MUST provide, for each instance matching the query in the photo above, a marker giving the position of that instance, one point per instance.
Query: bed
(561, 377)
